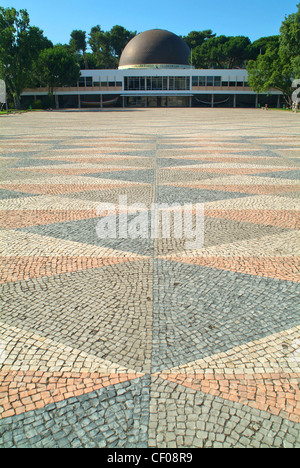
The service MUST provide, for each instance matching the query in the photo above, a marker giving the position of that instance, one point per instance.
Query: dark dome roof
(155, 46)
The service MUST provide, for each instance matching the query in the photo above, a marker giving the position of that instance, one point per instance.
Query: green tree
(119, 37)
(100, 44)
(270, 71)
(90, 59)
(57, 67)
(196, 38)
(78, 44)
(280, 63)
(260, 46)
(20, 45)
(222, 52)
(296, 67)
(107, 46)
(290, 41)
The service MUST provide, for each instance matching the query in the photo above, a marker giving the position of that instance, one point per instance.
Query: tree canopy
(78, 44)
(278, 63)
(20, 45)
(290, 42)
(56, 67)
(196, 38)
(107, 46)
(222, 52)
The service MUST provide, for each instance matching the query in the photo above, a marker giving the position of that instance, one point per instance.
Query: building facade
(154, 71)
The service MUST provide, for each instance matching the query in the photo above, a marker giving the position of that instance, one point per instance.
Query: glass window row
(160, 83)
(157, 83)
(216, 81)
(206, 81)
(87, 81)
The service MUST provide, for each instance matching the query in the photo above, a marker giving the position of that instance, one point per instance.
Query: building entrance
(156, 101)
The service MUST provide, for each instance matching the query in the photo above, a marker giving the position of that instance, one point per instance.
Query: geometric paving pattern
(147, 341)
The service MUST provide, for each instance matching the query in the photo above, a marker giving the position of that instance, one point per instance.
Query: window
(202, 81)
(132, 83)
(156, 83)
(218, 80)
(142, 83)
(81, 82)
(104, 83)
(111, 84)
(89, 81)
(210, 80)
(179, 83)
(195, 81)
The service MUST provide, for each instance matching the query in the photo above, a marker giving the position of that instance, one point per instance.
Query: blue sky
(252, 18)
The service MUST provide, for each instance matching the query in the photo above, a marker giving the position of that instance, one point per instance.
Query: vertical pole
(101, 101)
(212, 100)
(256, 101)
(234, 100)
(79, 103)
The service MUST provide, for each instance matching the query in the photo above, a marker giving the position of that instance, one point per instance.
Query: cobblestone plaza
(142, 342)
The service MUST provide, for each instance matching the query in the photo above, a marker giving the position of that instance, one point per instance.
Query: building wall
(158, 88)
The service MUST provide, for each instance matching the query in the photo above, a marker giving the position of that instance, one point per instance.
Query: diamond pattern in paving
(134, 340)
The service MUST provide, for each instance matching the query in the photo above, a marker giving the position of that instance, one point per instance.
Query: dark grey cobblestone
(78, 422)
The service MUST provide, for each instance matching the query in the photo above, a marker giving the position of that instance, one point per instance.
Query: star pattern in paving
(141, 340)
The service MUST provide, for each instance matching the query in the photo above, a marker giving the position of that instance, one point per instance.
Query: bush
(37, 104)
(45, 103)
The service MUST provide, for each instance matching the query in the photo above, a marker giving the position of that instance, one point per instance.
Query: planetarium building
(154, 71)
